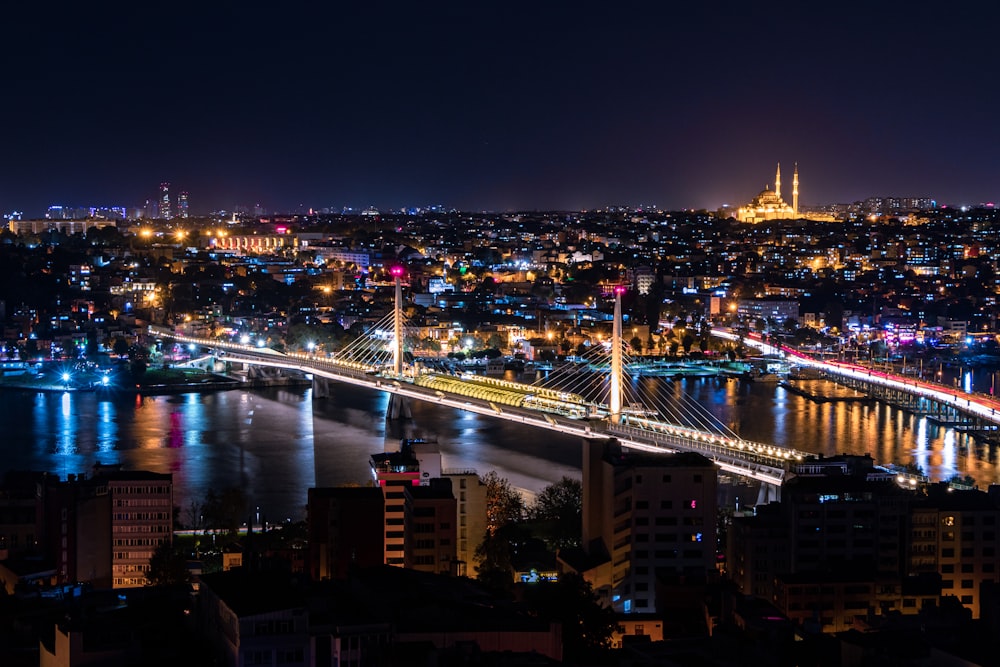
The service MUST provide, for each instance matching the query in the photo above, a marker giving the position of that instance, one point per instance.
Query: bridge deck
(754, 460)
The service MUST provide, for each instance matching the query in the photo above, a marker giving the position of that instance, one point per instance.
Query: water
(275, 444)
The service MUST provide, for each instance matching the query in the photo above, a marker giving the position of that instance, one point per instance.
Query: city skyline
(480, 108)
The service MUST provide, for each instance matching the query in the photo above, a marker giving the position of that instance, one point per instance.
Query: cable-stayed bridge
(595, 397)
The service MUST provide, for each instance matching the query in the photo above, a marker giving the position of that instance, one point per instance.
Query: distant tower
(165, 211)
(182, 204)
(795, 191)
(777, 182)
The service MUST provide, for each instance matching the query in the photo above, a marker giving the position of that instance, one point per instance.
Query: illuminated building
(393, 471)
(471, 513)
(182, 204)
(954, 533)
(768, 205)
(105, 529)
(251, 244)
(165, 212)
(68, 227)
(141, 520)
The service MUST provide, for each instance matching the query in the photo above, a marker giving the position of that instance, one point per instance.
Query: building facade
(646, 517)
(470, 497)
(142, 506)
(346, 527)
(393, 472)
(429, 527)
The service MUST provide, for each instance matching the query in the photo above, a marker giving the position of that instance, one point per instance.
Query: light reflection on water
(275, 444)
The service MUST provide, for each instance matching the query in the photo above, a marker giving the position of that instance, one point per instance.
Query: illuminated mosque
(769, 205)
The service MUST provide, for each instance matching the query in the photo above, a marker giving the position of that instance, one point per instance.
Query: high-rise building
(646, 518)
(393, 471)
(846, 542)
(165, 211)
(106, 528)
(142, 506)
(954, 533)
(182, 204)
(470, 496)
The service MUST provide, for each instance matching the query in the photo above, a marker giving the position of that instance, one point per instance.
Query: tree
(168, 567)
(224, 510)
(504, 509)
(558, 513)
(120, 346)
(504, 504)
(91, 348)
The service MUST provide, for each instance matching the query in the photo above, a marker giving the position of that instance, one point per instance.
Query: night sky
(497, 105)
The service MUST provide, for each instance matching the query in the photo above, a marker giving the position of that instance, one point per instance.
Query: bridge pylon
(617, 366)
(397, 321)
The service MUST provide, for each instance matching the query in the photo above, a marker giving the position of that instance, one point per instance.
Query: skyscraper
(182, 204)
(165, 212)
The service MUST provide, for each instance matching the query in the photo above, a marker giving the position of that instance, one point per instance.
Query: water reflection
(107, 429)
(276, 444)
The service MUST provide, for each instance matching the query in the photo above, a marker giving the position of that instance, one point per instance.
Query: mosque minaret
(795, 190)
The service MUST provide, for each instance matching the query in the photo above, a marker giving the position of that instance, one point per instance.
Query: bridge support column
(617, 367)
(398, 408)
(321, 387)
(397, 324)
(769, 493)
